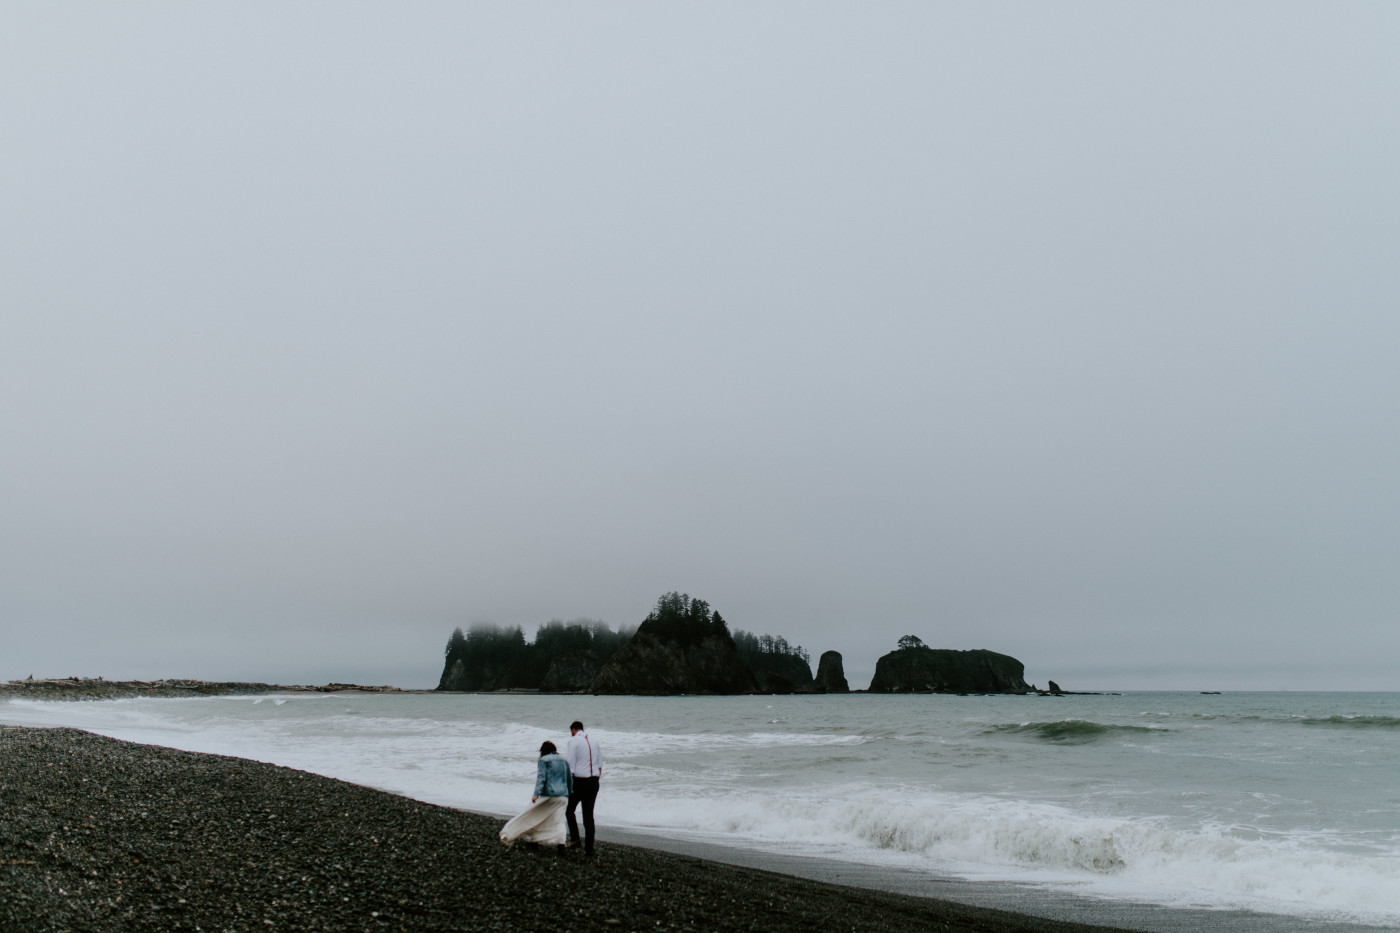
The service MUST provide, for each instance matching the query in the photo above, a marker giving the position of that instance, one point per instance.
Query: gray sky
(1066, 330)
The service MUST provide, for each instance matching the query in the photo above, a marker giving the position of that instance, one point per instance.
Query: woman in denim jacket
(543, 822)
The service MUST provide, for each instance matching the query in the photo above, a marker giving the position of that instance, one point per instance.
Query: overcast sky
(1068, 330)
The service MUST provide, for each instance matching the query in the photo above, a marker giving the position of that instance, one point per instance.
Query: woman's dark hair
(547, 749)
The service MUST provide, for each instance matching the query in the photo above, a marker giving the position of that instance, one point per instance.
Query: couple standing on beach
(572, 777)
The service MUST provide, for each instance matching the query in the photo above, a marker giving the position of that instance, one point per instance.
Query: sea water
(1285, 804)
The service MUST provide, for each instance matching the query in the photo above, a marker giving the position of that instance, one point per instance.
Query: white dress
(542, 823)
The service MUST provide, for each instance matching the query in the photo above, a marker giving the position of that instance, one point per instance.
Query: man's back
(586, 765)
(585, 757)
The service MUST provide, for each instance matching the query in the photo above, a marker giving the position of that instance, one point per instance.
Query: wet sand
(97, 834)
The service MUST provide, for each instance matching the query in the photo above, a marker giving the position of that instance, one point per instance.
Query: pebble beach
(99, 834)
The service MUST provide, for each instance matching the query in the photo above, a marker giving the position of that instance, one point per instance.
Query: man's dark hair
(576, 725)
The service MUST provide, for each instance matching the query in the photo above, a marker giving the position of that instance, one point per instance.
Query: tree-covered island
(684, 646)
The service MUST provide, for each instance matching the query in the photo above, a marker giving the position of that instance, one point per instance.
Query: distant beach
(99, 834)
(95, 688)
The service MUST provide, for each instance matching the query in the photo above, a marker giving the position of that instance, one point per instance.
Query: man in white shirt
(586, 764)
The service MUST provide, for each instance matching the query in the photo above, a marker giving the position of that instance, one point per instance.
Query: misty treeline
(769, 657)
(684, 618)
(493, 655)
(680, 617)
(750, 644)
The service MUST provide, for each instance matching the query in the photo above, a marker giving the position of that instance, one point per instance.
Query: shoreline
(62, 850)
(1057, 903)
(100, 834)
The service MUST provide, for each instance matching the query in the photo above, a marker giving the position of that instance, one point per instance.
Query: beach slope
(97, 834)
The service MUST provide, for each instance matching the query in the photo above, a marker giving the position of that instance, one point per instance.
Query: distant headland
(685, 647)
(95, 688)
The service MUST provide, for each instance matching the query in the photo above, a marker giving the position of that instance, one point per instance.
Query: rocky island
(914, 667)
(831, 675)
(685, 647)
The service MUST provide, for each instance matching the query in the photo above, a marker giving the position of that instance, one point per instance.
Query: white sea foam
(988, 839)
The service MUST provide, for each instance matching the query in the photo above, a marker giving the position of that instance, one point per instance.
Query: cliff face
(780, 673)
(573, 673)
(454, 672)
(831, 676)
(456, 675)
(941, 670)
(666, 659)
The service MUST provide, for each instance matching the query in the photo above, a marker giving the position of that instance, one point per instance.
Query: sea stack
(916, 668)
(831, 676)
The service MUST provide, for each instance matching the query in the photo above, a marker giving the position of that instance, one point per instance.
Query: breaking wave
(993, 839)
(1352, 722)
(1336, 721)
(1072, 731)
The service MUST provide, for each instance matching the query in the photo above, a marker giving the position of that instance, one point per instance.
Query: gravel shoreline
(98, 834)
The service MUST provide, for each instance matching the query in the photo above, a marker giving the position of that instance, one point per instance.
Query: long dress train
(543, 822)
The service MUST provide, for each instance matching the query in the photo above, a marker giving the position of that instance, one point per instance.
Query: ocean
(1283, 805)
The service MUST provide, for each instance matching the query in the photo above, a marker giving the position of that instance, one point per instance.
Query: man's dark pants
(585, 792)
